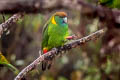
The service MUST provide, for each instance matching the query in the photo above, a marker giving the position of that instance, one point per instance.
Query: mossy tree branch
(5, 25)
(55, 51)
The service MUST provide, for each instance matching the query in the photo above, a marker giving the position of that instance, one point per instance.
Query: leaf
(110, 3)
(117, 4)
(4, 62)
(62, 78)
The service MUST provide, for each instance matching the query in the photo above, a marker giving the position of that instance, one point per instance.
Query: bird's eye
(65, 20)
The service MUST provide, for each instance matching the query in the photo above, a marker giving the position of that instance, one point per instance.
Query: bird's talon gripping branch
(69, 47)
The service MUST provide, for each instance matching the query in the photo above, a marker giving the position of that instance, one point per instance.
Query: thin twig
(55, 51)
(3, 17)
(4, 26)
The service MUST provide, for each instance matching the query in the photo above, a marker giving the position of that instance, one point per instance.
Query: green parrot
(55, 33)
(110, 3)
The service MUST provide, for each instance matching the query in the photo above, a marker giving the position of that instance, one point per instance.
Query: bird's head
(59, 18)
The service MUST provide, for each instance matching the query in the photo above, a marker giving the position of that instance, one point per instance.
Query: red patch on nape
(45, 50)
(62, 14)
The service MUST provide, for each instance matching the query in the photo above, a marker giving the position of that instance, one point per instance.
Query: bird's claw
(71, 37)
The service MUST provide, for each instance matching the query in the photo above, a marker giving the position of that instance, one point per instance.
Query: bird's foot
(71, 37)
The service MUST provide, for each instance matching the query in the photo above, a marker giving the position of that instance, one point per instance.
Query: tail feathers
(44, 64)
(49, 64)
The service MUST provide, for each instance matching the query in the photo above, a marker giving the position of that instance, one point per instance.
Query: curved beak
(65, 19)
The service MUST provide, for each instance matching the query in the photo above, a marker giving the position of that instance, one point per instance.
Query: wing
(45, 36)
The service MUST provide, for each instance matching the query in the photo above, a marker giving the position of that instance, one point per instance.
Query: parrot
(110, 3)
(54, 34)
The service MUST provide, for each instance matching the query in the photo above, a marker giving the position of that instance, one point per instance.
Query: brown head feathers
(61, 14)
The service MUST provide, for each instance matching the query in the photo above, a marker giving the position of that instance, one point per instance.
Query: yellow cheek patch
(53, 20)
